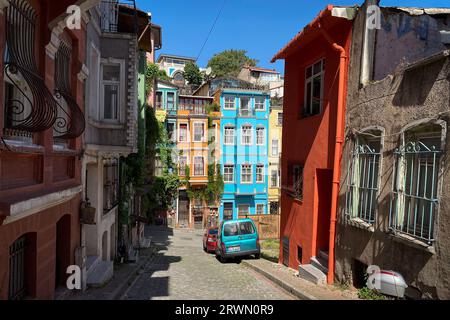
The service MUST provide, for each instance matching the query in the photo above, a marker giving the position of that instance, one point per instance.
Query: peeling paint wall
(405, 38)
(393, 103)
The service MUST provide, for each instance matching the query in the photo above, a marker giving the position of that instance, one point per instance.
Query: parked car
(237, 238)
(210, 239)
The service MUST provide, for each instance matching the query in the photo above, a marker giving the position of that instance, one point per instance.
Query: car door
(230, 237)
(247, 236)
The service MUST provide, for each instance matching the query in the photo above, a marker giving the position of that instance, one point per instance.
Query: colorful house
(314, 103)
(244, 158)
(275, 143)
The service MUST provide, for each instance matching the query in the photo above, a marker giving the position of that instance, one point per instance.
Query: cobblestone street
(181, 270)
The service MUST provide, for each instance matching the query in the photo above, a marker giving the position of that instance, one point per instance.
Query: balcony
(193, 109)
(247, 113)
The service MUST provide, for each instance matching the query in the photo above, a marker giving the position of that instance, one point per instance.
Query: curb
(119, 292)
(287, 287)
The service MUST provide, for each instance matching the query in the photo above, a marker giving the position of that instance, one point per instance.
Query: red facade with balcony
(311, 102)
(40, 150)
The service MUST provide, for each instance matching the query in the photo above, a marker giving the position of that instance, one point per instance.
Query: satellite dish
(208, 71)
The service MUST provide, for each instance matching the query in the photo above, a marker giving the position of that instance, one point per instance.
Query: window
(228, 173)
(280, 118)
(231, 229)
(158, 167)
(274, 179)
(199, 166)
(110, 186)
(260, 173)
(245, 106)
(246, 227)
(275, 151)
(199, 132)
(260, 103)
(260, 135)
(274, 207)
(362, 188)
(183, 137)
(111, 89)
(171, 131)
(230, 102)
(260, 209)
(229, 136)
(415, 198)
(228, 211)
(246, 173)
(182, 163)
(158, 100)
(243, 209)
(297, 181)
(246, 135)
(170, 101)
(314, 89)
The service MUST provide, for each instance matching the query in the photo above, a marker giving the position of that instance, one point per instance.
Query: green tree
(192, 74)
(153, 73)
(230, 62)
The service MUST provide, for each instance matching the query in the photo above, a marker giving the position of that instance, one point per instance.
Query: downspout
(337, 150)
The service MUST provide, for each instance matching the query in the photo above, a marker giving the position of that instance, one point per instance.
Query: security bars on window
(362, 187)
(414, 200)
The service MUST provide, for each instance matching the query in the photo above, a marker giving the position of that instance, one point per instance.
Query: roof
(163, 55)
(309, 30)
(264, 70)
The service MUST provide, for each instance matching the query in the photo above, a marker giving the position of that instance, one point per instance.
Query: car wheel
(204, 248)
(222, 259)
(258, 256)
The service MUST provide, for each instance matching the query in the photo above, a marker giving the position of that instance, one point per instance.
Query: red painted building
(316, 63)
(41, 123)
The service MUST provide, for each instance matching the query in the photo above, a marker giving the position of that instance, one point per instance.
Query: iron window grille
(111, 11)
(17, 265)
(297, 182)
(274, 207)
(110, 186)
(37, 110)
(362, 186)
(70, 121)
(414, 201)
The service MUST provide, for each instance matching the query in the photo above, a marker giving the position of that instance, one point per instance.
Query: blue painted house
(244, 135)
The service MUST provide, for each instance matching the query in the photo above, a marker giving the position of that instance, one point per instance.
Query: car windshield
(231, 229)
(246, 228)
(213, 231)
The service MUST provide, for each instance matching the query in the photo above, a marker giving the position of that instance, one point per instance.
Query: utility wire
(211, 30)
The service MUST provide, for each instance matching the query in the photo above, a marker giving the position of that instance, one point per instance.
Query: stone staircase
(315, 272)
(98, 272)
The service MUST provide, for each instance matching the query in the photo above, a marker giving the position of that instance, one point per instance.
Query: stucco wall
(391, 104)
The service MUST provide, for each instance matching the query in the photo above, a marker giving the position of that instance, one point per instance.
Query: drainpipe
(337, 150)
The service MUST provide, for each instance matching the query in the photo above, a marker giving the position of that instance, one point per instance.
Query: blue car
(237, 238)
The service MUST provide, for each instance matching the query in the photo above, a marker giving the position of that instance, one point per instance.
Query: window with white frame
(182, 163)
(183, 132)
(275, 151)
(314, 79)
(260, 103)
(228, 173)
(274, 179)
(260, 208)
(260, 173)
(111, 93)
(199, 166)
(260, 136)
(199, 132)
(229, 136)
(246, 135)
(230, 102)
(364, 171)
(245, 106)
(246, 173)
(415, 199)
(243, 209)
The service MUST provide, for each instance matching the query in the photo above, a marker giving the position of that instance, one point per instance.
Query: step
(133, 255)
(320, 264)
(323, 255)
(101, 274)
(91, 262)
(310, 273)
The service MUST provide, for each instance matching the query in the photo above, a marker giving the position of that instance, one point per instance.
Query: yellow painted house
(275, 143)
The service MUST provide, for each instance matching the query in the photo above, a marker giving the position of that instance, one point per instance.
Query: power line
(211, 30)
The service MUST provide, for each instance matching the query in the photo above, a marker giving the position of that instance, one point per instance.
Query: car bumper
(239, 254)
(211, 247)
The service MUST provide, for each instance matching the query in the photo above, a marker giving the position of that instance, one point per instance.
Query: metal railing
(193, 108)
(414, 200)
(362, 186)
(110, 9)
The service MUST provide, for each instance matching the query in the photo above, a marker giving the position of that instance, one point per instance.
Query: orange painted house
(316, 64)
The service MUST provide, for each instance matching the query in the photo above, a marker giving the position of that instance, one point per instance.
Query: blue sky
(261, 27)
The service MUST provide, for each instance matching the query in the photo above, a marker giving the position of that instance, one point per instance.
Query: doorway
(62, 250)
(183, 210)
(324, 188)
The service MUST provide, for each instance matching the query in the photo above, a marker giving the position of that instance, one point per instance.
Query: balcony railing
(193, 109)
